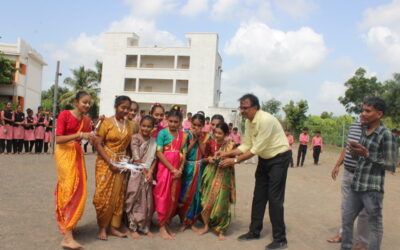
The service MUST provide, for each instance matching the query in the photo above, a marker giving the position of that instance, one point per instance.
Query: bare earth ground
(312, 209)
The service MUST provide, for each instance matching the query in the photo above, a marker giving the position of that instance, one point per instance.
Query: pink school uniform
(8, 125)
(18, 129)
(40, 127)
(47, 134)
(29, 134)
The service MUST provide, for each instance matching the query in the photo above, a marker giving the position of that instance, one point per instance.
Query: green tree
(47, 99)
(296, 115)
(272, 106)
(82, 79)
(359, 87)
(325, 115)
(391, 96)
(7, 69)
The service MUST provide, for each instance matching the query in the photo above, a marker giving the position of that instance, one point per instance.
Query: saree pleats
(71, 186)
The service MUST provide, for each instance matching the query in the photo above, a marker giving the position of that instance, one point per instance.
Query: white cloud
(386, 43)
(270, 55)
(234, 10)
(296, 8)
(150, 9)
(194, 7)
(384, 15)
(327, 99)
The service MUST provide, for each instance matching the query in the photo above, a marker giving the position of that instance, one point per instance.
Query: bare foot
(194, 229)
(135, 235)
(69, 242)
(221, 236)
(117, 233)
(182, 228)
(169, 231)
(102, 234)
(203, 231)
(151, 235)
(164, 234)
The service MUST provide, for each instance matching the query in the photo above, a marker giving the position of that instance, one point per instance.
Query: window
(130, 84)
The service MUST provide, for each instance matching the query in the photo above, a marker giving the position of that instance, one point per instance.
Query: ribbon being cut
(125, 166)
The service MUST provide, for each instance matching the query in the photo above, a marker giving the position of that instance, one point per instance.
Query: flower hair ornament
(156, 104)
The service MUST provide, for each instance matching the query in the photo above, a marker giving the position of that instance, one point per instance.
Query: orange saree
(71, 173)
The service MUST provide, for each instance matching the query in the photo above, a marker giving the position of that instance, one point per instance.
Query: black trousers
(46, 147)
(18, 144)
(38, 145)
(270, 187)
(316, 153)
(29, 146)
(291, 159)
(9, 144)
(2, 145)
(301, 153)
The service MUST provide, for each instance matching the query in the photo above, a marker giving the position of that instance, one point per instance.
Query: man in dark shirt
(376, 152)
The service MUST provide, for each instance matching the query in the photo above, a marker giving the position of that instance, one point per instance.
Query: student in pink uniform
(236, 138)
(48, 132)
(290, 141)
(39, 130)
(187, 124)
(7, 115)
(29, 135)
(18, 130)
(317, 146)
(207, 126)
(303, 142)
(2, 136)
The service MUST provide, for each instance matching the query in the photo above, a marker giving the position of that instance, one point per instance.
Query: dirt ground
(312, 209)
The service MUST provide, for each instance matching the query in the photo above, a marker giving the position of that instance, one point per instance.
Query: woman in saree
(131, 117)
(189, 207)
(218, 191)
(157, 112)
(72, 127)
(113, 138)
(171, 153)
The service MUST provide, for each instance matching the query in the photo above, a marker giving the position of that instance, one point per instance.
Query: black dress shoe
(249, 236)
(276, 245)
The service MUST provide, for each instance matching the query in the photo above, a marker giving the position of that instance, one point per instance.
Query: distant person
(361, 237)
(41, 122)
(2, 136)
(377, 153)
(290, 141)
(272, 148)
(139, 116)
(317, 144)
(48, 132)
(71, 191)
(207, 125)
(157, 112)
(18, 130)
(7, 115)
(187, 124)
(29, 134)
(230, 126)
(304, 138)
(236, 138)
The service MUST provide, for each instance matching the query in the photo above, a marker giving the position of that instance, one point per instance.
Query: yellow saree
(70, 192)
(110, 188)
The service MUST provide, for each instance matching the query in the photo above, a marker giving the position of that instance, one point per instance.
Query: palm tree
(82, 79)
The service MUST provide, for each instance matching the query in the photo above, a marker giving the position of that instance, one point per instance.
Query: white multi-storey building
(188, 76)
(26, 87)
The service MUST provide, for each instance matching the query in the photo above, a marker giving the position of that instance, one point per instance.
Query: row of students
(189, 181)
(304, 138)
(18, 130)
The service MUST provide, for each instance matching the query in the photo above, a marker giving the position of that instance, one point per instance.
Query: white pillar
(138, 61)
(175, 62)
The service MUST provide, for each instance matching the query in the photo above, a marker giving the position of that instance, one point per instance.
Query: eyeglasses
(245, 108)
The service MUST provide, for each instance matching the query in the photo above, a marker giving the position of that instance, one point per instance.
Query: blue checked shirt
(370, 172)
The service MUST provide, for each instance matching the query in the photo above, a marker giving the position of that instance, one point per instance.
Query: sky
(282, 49)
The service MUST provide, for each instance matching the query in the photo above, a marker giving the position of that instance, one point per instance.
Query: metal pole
(55, 98)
